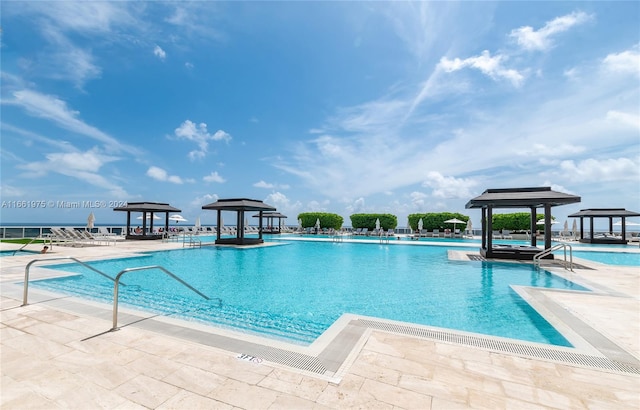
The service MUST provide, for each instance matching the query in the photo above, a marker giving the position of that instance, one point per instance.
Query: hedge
(327, 220)
(387, 221)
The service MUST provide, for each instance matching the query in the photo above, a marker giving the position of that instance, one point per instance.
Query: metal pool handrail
(122, 272)
(28, 267)
(537, 259)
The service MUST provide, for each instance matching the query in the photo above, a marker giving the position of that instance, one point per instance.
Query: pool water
(297, 290)
(610, 258)
(20, 252)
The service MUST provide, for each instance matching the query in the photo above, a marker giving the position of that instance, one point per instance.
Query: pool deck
(57, 352)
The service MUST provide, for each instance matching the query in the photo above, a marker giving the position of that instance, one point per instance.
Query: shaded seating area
(240, 206)
(609, 237)
(149, 210)
(531, 198)
(274, 222)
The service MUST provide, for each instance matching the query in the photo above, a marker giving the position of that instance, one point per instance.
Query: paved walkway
(52, 358)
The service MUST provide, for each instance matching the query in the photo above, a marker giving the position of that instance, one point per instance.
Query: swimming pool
(297, 290)
(610, 258)
(18, 252)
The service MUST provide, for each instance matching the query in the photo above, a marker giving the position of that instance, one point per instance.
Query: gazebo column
(260, 225)
(547, 226)
(534, 225)
(490, 231)
(219, 212)
(581, 228)
(240, 224)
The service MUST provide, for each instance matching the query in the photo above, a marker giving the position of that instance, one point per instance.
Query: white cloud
(56, 110)
(159, 52)
(530, 39)
(490, 66)
(632, 120)
(262, 184)
(162, 175)
(284, 205)
(449, 187)
(9, 191)
(189, 65)
(555, 150)
(84, 166)
(198, 133)
(204, 200)
(625, 62)
(214, 177)
(590, 170)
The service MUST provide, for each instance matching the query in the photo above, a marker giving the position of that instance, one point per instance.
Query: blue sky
(343, 107)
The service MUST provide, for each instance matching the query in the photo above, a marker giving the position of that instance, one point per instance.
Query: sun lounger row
(435, 233)
(73, 237)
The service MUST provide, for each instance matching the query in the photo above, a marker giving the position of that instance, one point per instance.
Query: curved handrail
(28, 267)
(122, 272)
(538, 256)
(30, 242)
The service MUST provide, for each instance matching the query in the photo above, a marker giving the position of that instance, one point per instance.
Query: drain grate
(287, 358)
(538, 352)
(473, 257)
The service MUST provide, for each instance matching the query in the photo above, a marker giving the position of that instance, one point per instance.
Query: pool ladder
(537, 259)
(116, 281)
(192, 242)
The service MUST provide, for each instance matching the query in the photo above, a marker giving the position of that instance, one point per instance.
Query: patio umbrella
(470, 227)
(177, 218)
(90, 221)
(574, 229)
(541, 222)
(454, 221)
(565, 231)
(197, 225)
(420, 225)
(317, 223)
(155, 217)
(378, 224)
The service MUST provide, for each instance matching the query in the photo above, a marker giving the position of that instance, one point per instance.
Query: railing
(384, 238)
(32, 241)
(538, 256)
(25, 292)
(122, 272)
(191, 242)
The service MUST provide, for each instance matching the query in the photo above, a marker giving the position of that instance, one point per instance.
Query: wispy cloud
(160, 174)
(56, 110)
(614, 169)
(449, 187)
(490, 66)
(214, 177)
(627, 61)
(541, 39)
(266, 185)
(199, 134)
(159, 52)
(84, 166)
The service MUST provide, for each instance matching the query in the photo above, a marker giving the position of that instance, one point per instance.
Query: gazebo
(271, 227)
(240, 206)
(148, 209)
(532, 198)
(609, 213)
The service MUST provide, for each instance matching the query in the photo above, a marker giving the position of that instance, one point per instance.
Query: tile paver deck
(52, 358)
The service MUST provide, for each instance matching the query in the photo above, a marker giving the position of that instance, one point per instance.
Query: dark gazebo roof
(270, 215)
(521, 197)
(239, 204)
(609, 213)
(532, 198)
(147, 207)
(604, 212)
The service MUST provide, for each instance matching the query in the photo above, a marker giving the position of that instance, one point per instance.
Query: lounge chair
(506, 234)
(447, 233)
(496, 235)
(357, 231)
(436, 233)
(457, 233)
(364, 232)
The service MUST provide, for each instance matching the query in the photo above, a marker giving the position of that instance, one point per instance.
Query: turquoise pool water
(297, 290)
(610, 258)
(12, 253)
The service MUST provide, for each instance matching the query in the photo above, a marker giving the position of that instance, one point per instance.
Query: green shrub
(516, 221)
(387, 221)
(327, 220)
